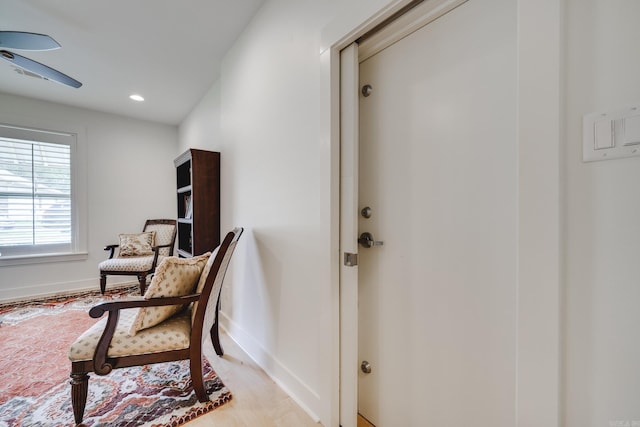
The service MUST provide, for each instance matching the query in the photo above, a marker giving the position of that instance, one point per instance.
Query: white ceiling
(168, 51)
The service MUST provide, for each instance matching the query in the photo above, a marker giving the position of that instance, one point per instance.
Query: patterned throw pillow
(136, 244)
(174, 277)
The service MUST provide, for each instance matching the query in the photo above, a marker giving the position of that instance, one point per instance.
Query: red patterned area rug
(34, 373)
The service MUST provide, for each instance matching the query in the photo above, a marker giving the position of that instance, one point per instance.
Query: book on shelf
(188, 208)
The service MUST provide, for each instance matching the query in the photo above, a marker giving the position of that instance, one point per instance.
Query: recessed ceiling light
(136, 97)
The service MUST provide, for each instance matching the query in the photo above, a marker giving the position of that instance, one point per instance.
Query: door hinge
(350, 260)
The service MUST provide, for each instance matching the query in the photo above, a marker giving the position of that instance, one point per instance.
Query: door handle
(366, 240)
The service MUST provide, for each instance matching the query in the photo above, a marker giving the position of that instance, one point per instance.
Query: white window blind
(35, 192)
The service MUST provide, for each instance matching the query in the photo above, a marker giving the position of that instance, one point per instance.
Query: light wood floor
(257, 400)
(362, 422)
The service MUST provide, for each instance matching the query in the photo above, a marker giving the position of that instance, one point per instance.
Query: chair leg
(79, 388)
(197, 380)
(103, 283)
(142, 279)
(215, 337)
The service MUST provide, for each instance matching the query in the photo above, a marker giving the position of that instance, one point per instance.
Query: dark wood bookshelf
(198, 201)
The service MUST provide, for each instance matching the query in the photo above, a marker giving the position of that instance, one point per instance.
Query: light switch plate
(611, 135)
(631, 128)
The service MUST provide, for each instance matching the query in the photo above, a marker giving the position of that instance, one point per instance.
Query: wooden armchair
(139, 254)
(109, 344)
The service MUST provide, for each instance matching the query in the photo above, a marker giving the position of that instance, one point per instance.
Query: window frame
(30, 129)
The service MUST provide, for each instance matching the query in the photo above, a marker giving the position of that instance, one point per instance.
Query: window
(37, 214)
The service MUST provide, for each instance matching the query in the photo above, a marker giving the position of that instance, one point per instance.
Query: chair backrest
(204, 311)
(165, 233)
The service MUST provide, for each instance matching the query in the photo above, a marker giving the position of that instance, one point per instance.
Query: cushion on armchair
(139, 244)
(132, 263)
(173, 277)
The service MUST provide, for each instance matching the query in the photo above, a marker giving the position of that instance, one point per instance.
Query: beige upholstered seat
(138, 263)
(172, 334)
(171, 322)
(139, 254)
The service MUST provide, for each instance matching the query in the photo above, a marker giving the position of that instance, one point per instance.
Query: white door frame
(537, 399)
(349, 151)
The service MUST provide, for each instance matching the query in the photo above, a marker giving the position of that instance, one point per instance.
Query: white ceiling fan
(31, 41)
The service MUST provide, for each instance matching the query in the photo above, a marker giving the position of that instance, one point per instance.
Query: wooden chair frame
(141, 275)
(204, 321)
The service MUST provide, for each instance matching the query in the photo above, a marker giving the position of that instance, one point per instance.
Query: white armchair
(139, 254)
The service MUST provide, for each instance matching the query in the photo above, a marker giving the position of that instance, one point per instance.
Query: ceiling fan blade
(27, 41)
(39, 69)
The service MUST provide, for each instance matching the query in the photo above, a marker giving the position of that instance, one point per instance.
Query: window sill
(42, 258)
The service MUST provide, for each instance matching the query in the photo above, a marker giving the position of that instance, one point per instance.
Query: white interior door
(438, 170)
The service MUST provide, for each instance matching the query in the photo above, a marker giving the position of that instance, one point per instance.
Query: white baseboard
(301, 393)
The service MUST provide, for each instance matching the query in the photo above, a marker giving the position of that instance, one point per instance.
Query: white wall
(602, 211)
(130, 177)
(272, 173)
(201, 128)
(264, 115)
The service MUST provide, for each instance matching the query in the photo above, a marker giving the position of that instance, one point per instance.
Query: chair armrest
(101, 365)
(155, 248)
(110, 248)
(115, 306)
